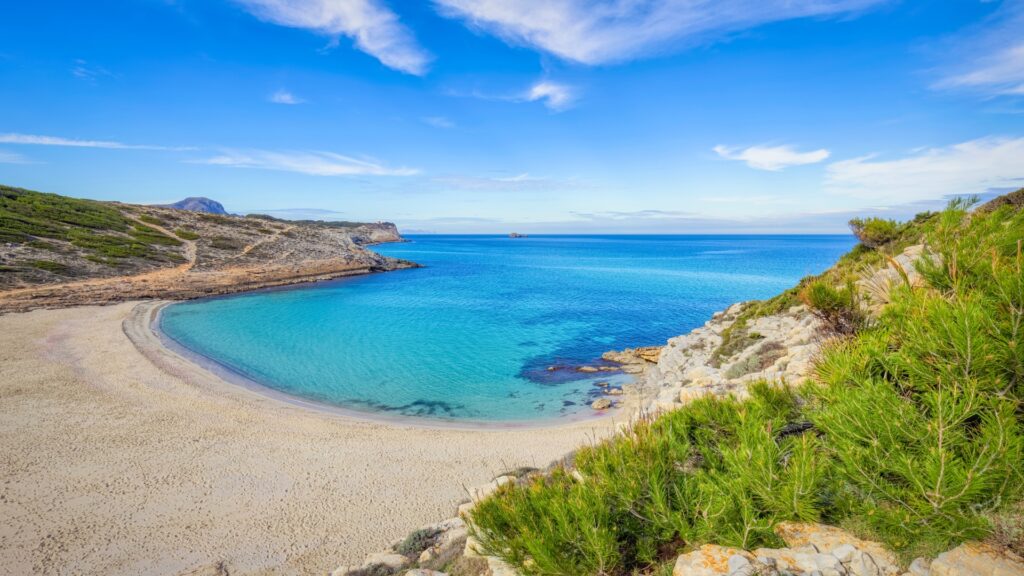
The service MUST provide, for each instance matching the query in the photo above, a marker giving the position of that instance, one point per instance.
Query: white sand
(117, 462)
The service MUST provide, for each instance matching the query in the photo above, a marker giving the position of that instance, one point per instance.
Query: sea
(491, 329)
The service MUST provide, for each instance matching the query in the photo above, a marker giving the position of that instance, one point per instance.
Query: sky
(492, 116)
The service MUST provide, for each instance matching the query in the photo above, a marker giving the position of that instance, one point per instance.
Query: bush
(838, 309)
(150, 219)
(875, 232)
(50, 266)
(714, 470)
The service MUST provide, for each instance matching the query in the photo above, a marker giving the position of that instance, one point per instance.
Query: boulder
(828, 538)
(709, 560)
(392, 560)
(601, 404)
(976, 559)
(424, 572)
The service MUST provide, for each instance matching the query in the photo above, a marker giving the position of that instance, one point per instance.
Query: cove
(469, 336)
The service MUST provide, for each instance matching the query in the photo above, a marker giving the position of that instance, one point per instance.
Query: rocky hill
(58, 251)
(198, 204)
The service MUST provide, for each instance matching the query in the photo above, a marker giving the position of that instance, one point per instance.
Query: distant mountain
(199, 204)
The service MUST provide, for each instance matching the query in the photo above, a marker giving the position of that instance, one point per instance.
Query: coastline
(123, 462)
(142, 327)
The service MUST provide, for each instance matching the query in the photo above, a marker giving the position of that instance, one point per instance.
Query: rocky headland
(57, 252)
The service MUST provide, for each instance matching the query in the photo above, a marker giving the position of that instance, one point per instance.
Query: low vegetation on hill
(911, 431)
(48, 239)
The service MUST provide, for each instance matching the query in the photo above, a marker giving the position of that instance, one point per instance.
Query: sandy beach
(121, 457)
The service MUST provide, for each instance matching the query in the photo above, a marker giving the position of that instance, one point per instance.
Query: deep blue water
(470, 335)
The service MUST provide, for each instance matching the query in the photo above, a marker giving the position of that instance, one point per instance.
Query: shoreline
(120, 462)
(142, 327)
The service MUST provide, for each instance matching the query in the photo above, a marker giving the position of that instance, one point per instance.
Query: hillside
(58, 251)
(867, 422)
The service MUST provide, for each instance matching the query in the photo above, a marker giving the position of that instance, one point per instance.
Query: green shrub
(50, 266)
(417, 542)
(838, 309)
(716, 469)
(149, 235)
(185, 234)
(875, 232)
(150, 219)
(225, 243)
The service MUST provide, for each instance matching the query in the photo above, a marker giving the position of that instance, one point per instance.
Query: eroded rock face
(977, 559)
(777, 348)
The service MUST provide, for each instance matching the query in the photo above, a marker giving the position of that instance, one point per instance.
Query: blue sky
(530, 115)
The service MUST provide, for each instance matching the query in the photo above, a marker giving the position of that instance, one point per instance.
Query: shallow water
(470, 336)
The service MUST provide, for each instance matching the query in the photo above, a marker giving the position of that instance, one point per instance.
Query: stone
(862, 564)
(708, 560)
(613, 391)
(802, 560)
(424, 572)
(977, 559)
(601, 404)
(586, 369)
(828, 538)
(919, 567)
(740, 566)
(390, 559)
(845, 552)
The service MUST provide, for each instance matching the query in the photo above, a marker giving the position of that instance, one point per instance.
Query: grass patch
(150, 219)
(910, 433)
(185, 234)
(50, 266)
(225, 243)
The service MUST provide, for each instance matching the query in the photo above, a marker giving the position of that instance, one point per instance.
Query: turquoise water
(470, 336)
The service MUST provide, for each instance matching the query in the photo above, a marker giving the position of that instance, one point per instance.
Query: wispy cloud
(13, 158)
(285, 97)
(772, 158)
(971, 167)
(312, 163)
(517, 182)
(88, 71)
(991, 57)
(37, 140)
(373, 27)
(555, 96)
(438, 121)
(603, 31)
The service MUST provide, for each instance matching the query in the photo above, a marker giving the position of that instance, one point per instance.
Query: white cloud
(992, 57)
(603, 31)
(313, 163)
(555, 96)
(372, 25)
(36, 140)
(772, 158)
(13, 158)
(285, 97)
(438, 122)
(967, 168)
(87, 71)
